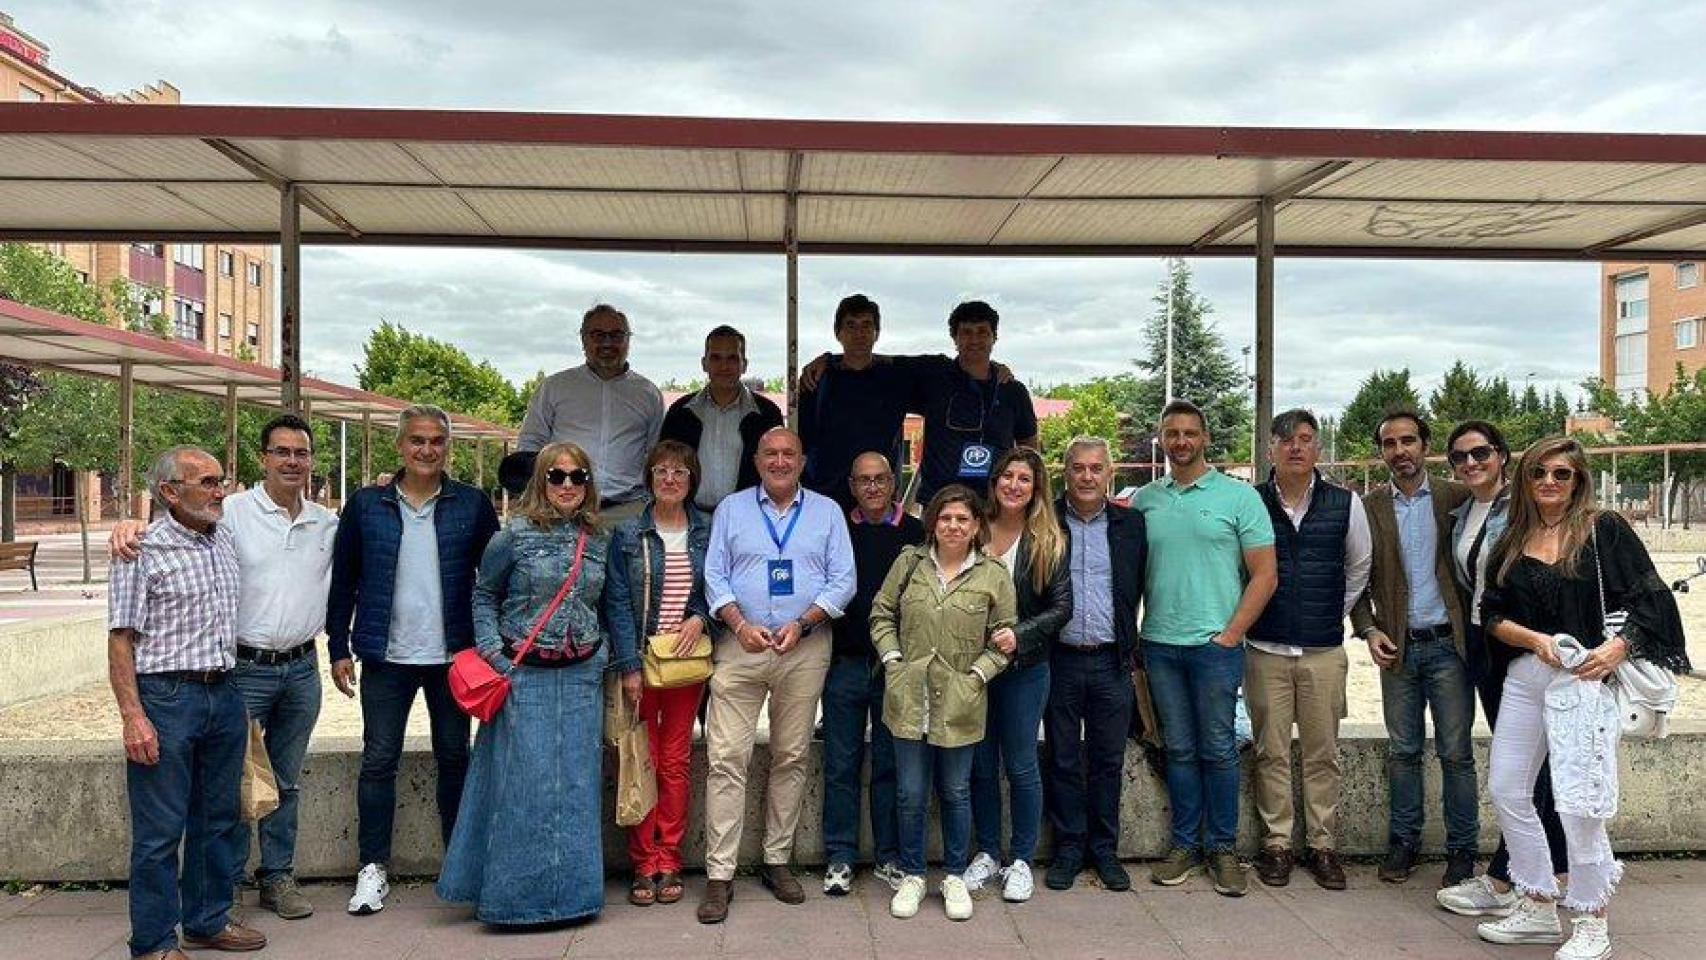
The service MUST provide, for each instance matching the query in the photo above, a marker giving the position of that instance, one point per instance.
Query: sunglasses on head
(1480, 454)
(557, 477)
(1556, 474)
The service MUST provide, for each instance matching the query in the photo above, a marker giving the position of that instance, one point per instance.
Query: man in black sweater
(722, 422)
(853, 691)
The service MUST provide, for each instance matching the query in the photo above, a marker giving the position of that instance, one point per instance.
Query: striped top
(180, 597)
(677, 580)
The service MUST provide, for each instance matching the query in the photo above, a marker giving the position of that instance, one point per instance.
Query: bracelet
(805, 627)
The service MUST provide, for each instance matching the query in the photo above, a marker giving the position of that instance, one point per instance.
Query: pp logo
(976, 457)
(780, 575)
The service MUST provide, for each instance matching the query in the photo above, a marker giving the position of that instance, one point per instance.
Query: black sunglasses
(557, 477)
(1558, 475)
(1480, 454)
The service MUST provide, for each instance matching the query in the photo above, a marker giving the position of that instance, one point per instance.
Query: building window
(254, 335)
(28, 94)
(227, 264)
(1631, 296)
(150, 301)
(152, 249)
(1631, 351)
(192, 255)
(1689, 332)
(188, 320)
(254, 274)
(83, 277)
(1687, 275)
(225, 326)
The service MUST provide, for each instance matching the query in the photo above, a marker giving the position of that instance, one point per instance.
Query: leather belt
(272, 658)
(1441, 631)
(206, 677)
(1087, 649)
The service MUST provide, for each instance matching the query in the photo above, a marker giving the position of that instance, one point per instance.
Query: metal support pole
(1611, 492)
(479, 463)
(290, 294)
(126, 436)
(791, 245)
(343, 462)
(1264, 330)
(1664, 494)
(366, 448)
(1169, 340)
(231, 430)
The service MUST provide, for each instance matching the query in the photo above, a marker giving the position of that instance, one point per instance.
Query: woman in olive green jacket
(931, 623)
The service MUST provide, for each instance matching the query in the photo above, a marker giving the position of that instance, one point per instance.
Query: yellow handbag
(664, 670)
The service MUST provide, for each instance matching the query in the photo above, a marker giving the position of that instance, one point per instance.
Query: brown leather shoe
(714, 908)
(1325, 867)
(782, 883)
(235, 938)
(1273, 866)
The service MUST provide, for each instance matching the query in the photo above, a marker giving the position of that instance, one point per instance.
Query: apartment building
(1652, 317)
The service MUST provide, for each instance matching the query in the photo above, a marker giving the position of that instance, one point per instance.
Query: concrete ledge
(44, 658)
(69, 817)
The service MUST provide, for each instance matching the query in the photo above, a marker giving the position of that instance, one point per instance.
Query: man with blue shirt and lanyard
(971, 415)
(779, 568)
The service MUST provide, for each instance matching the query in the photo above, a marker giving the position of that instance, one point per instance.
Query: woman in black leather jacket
(1027, 536)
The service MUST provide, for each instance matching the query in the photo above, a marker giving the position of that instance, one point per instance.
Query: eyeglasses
(671, 473)
(605, 336)
(291, 453)
(1559, 475)
(576, 477)
(208, 484)
(1480, 454)
(882, 480)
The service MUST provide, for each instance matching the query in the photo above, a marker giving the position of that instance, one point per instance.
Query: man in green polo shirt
(1211, 571)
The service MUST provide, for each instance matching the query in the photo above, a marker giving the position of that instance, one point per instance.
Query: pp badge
(975, 461)
(781, 578)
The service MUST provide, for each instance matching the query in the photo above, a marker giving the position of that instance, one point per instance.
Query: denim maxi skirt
(528, 844)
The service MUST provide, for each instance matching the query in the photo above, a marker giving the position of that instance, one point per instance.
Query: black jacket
(1041, 615)
(683, 424)
(1128, 553)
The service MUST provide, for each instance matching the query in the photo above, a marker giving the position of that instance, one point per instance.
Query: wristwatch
(1367, 631)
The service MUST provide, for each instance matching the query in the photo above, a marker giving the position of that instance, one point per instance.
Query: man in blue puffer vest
(403, 567)
(1295, 671)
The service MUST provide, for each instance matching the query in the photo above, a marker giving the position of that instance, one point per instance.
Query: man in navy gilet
(1294, 673)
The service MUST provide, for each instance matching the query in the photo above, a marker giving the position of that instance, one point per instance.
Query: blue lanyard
(799, 508)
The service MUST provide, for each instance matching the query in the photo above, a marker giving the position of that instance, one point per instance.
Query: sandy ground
(89, 714)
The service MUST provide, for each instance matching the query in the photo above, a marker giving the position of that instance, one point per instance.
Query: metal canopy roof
(43, 339)
(101, 171)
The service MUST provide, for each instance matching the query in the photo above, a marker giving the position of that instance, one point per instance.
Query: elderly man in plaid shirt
(172, 643)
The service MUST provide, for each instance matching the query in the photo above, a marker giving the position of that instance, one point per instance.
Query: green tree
(1203, 371)
(72, 422)
(1379, 393)
(1092, 415)
(421, 369)
(1676, 416)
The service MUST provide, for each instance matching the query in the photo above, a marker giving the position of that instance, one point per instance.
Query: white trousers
(1519, 747)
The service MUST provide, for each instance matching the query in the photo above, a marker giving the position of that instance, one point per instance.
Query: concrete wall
(44, 658)
(66, 816)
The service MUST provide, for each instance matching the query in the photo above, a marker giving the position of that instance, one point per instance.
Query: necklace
(1553, 526)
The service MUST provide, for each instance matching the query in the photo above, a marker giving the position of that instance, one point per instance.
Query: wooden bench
(20, 556)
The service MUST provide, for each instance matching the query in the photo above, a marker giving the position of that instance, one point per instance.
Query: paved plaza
(1660, 913)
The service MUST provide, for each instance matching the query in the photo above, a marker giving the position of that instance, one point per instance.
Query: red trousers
(655, 845)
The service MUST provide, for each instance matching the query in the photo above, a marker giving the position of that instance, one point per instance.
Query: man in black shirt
(852, 404)
(972, 415)
(853, 691)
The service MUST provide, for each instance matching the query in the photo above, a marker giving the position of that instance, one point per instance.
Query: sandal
(669, 888)
(641, 893)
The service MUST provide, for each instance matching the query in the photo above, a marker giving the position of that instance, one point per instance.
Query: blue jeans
(190, 794)
(853, 696)
(1016, 699)
(913, 760)
(1433, 678)
(1089, 716)
(1195, 689)
(285, 699)
(387, 694)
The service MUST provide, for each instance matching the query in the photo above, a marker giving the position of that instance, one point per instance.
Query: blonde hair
(1048, 544)
(537, 507)
(1525, 519)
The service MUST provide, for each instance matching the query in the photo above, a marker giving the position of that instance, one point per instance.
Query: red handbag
(476, 686)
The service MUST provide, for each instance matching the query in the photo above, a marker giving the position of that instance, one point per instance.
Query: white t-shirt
(1475, 521)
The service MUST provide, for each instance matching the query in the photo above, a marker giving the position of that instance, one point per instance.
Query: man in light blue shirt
(779, 568)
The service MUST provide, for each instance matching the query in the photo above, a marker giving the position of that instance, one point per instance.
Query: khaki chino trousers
(1307, 692)
(740, 684)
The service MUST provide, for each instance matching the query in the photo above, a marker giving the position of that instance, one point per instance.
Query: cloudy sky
(1493, 64)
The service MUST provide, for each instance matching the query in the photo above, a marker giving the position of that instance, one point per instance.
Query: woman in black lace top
(1544, 588)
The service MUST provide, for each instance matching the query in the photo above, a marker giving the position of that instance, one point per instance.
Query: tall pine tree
(1203, 372)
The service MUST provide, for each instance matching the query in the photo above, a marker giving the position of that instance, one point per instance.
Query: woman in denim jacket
(1543, 596)
(657, 580)
(527, 848)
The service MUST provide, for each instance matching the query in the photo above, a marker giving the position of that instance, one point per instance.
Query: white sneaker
(1529, 921)
(838, 880)
(890, 873)
(1590, 941)
(1477, 897)
(370, 890)
(907, 897)
(983, 869)
(1018, 888)
(956, 897)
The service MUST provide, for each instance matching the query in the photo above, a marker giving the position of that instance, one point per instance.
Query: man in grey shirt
(605, 408)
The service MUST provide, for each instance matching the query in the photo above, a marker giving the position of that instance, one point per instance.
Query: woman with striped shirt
(662, 578)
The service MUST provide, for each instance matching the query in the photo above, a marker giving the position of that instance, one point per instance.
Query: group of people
(934, 647)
